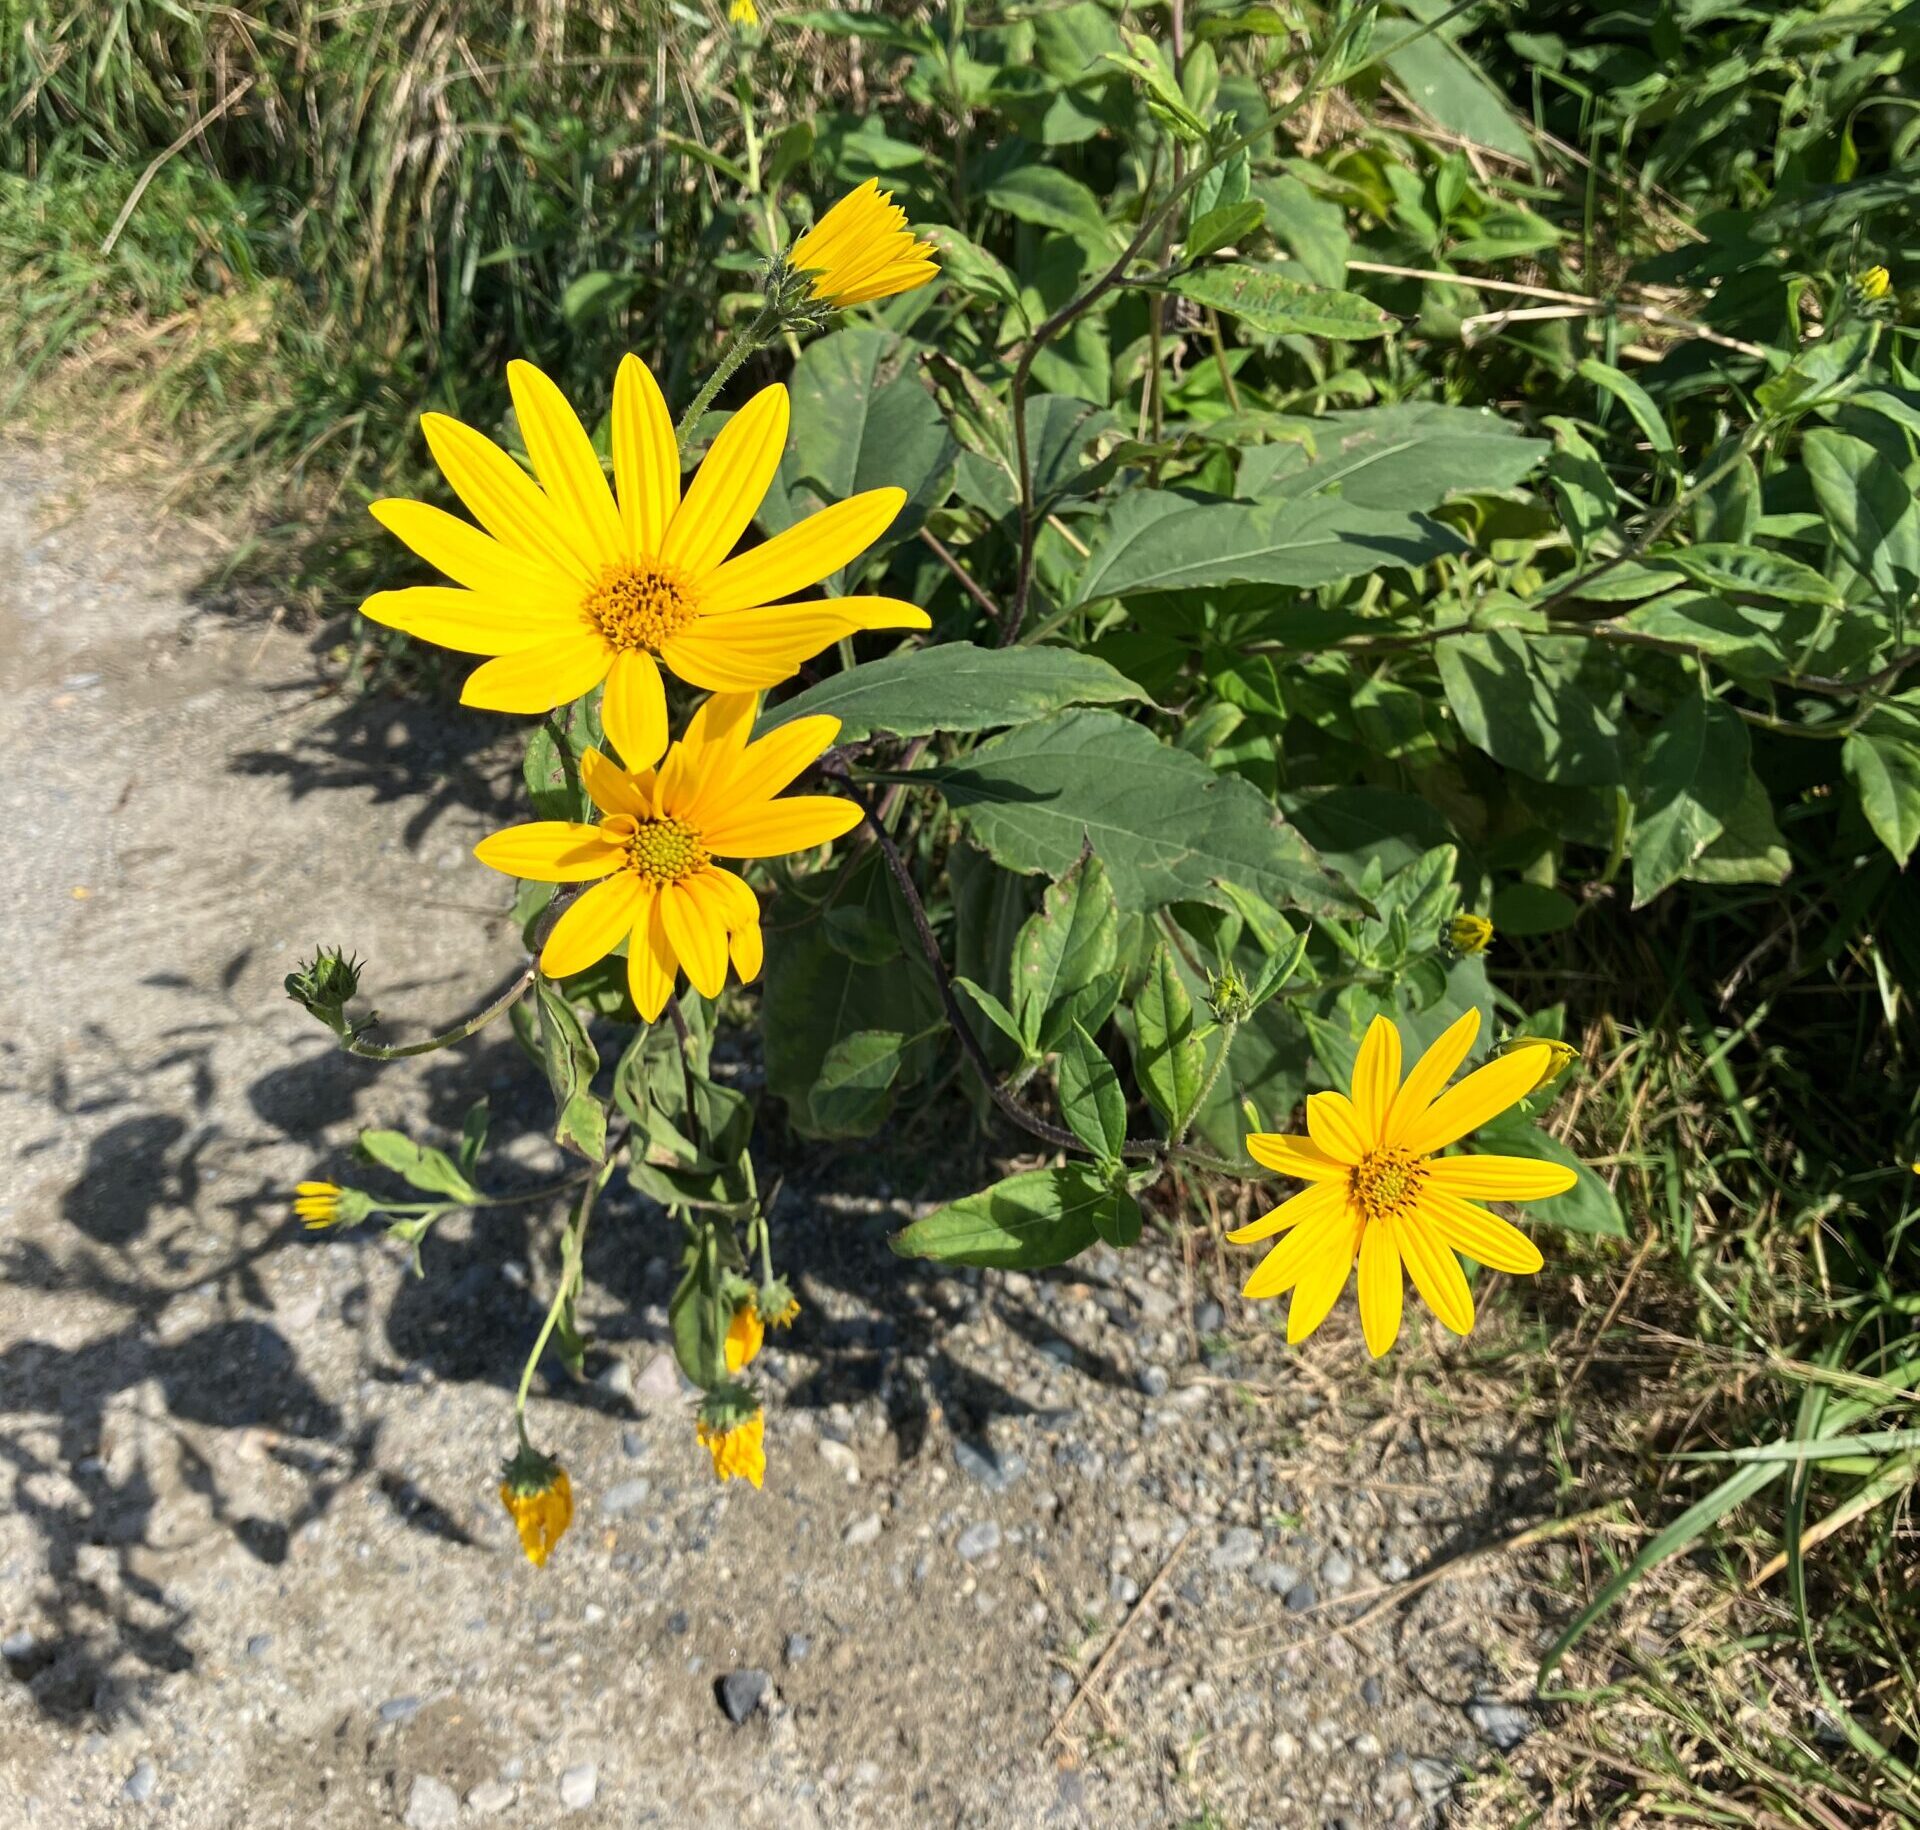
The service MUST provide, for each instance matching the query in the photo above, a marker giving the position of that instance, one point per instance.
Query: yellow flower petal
(634, 710)
(1299, 1157)
(1283, 1267)
(1499, 1178)
(1484, 1237)
(480, 562)
(1376, 1078)
(739, 907)
(612, 789)
(1321, 1199)
(1335, 1127)
(730, 485)
(461, 620)
(646, 458)
(1323, 1279)
(797, 823)
(804, 554)
(1485, 1093)
(1430, 1073)
(744, 1335)
(651, 966)
(538, 679)
(700, 946)
(564, 461)
(593, 926)
(765, 767)
(862, 249)
(1380, 1288)
(1436, 1272)
(748, 951)
(503, 498)
(550, 851)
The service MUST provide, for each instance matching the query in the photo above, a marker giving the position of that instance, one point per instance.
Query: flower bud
(325, 985)
(1228, 996)
(1468, 934)
(539, 1498)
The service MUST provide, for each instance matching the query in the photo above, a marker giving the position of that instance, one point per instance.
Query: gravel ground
(252, 1570)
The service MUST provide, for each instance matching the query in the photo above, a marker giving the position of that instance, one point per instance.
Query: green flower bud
(325, 985)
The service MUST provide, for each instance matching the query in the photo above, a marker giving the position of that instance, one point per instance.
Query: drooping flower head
(745, 1332)
(732, 1429)
(651, 857)
(1469, 934)
(1560, 1056)
(572, 583)
(862, 249)
(1378, 1191)
(539, 1498)
(323, 1204)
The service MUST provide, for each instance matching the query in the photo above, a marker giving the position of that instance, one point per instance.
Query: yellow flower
(743, 13)
(573, 583)
(737, 1449)
(1875, 283)
(787, 1314)
(539, 1497)
(1560, 1056)
(862, 249)
(317, 1203)
(744, 1334)
(651, 857)
(1469, 934)
(1377, 1191)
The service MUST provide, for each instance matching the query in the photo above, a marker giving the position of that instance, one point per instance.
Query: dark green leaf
(1885, 772)
(1693, 778)
(1063, 953)
(1521, 699)
(1090, 1097)
(1041, 1217)
(1169, 1060)
(420, 1165)
(854, 1087)
(1276, 306)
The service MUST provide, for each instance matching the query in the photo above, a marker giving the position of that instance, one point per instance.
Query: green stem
(572, 1255)
(750, 337)
(1212, 1080)
(374, 1051)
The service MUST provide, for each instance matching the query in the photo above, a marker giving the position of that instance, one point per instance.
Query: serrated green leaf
(571, 1062)
(1751, 571)
(1169, 1060)
(1040, 1217)
(1869, 509)
(1885, 772)
(1521, 699)
(1276, 306)
(1063, 952)
(854, 1087)
(419, 1165)
(1692, 781)
(1050, 199)
(1223, 225)
(1091, 1100)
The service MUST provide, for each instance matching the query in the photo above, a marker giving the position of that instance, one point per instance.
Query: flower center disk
(664, 850)
(1385, 1182)
(639, 606)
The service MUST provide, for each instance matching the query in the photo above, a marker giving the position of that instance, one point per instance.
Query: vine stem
(374, 1051)
(742, 344)
(573, 1254)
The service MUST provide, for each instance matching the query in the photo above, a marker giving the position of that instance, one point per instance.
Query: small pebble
(140, 1782)
(1238, 1549)
(977, 1541)
(1336, 1572)
(863, 1530)
(490, 1797)
(625, 1496)
(1502, 1723)
(1276, 1578)
(980, 1463)
(1373, 1693)
(399, 1709)
(17, 1645)
(632, 1444)
(258, 1644)
(1301, 1597)
(796, 1649)
(431, 1804)
(742, 1692)
(578, 1784)
(1154, 1381)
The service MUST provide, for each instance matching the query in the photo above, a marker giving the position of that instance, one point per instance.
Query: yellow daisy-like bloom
(540, 1513)
(862, 249)
(743, 13)
(573, 583)
(1875, 283)
(744, 1334)
(651, 857)
(738, 1452)
(1377, 1191)
(1468, 934)
(317, 1203)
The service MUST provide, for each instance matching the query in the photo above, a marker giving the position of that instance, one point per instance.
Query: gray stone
(1336, 1572)
(977, 1541)
(258, 1644)
(625, 1496)
(1432, 1779)
(1154, 1381)
(659, 1381)
(981, 1463)
(742, 1692)
(399, 1709)
(578, 1785)
(841, 1458)
(17, 1645)
(1502, 1723)
(490, 1797)
(1301, 1597)
(1373, 1693)
(140, 1782)
(632, 1444)
(1239, 1549)
(1123, 1589)
(863, 1530)
(1276, 1578)
(1208, 1317)
(1396, 1569)
(431, 1804)
(796, 1649)
(616, 1380)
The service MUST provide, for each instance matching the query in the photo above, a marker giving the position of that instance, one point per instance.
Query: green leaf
(1581, 486)
(965, 263)
(1885, 772)
(1276, 306)
(1063, 953)
(1221, 226)
(696, 1313)
(1587, 1207)
(854, 1087)
(1410, 456)
(1040, 1217)
(571, 1062)
(1869, 510)
(1753, 640)
(1449, 87)
(551, 770)
(1156, 541)
(1526, 909)
(1090, 1097)
(995, 1012)
(1166, 827)
(473, 1135)
(1169, 1060)
(1047, 197)
(1636, 400)
(1312, 228)
(419, 1165)
(1751, 571)
(1693, 778)
(955, 687)
(1521, 699)
(1117, 1219)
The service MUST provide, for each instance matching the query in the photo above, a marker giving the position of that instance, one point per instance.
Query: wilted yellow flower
(652, 853)
(317, 1203)
(743, 13)
(1378, 1192)
(1560, 1056)
(744, 1334)
(737, 1449)
(1469, 934)
(537, 1494)
(862, 249)
(573, 583)
(786, 1314)
(1875, 283)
